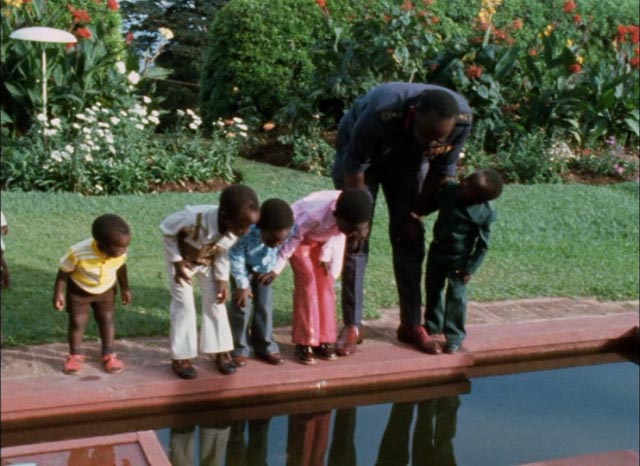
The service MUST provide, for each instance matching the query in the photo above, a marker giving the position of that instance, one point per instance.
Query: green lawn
(550, 240)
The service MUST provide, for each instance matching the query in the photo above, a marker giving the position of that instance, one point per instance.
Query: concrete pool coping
(37, 397)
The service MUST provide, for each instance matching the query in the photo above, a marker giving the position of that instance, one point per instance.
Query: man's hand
(182, 269)
(242, 297)
(463, 275)
(59, 301)
(266, 278)
(126, 296)
(223, 291)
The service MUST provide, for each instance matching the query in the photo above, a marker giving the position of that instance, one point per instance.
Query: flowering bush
(107, 151)
(77, 75)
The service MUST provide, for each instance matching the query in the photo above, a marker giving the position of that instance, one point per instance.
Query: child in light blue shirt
(253, 258)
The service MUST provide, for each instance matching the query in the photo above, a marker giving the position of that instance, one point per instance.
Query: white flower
(102, 124)
(462, 154)
(237, 119)
(231, 135)
(155, 113)
(86, 130)
(180, 112)
(55, 122)
(88, 158)
(109, 138)
(133, 77)
(81, 116)
(91, 111)
(193, 125)
(121, 67)
(190, 112)
(153, 119)
(50, 132)
(220, 123)
(166, 33)
(242, 127)
(114, 120)
(59, 155)
(84, 148)
(243, 134)
(140, 127)
(76, 126)
(123, 113)
(146, 100)
(113, 151)
(69, 148)
(99, 188)
(41, 117)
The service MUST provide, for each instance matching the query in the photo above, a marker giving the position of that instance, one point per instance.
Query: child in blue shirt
(252, 260)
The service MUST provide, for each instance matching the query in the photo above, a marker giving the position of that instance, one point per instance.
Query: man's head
(481, 186)
(112, 234)
(276, 221)
(435, 117)
(239, 209)
(353, 213)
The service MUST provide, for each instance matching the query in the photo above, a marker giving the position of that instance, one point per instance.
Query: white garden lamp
(44, 34)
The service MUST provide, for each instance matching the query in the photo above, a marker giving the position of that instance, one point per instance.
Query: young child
(197, 240)
(253, 256)
(89, 272)
(316, 250)
(460, 242)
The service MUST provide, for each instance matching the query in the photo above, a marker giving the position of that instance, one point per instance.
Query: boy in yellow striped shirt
(88, 273)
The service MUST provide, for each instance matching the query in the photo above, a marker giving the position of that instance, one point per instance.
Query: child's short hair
(237, 197)
(108, 226)
(354, 205)
(491, 183)
(443, 103)
(275, 214)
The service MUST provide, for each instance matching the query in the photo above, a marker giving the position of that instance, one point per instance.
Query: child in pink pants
(322, 221)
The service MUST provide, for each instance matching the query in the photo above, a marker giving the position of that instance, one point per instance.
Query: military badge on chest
(432, 152)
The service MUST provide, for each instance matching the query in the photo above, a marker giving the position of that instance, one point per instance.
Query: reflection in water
(433, 434)
(308, 439)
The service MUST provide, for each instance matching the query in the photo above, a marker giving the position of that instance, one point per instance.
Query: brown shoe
(347, 340)
(418, 337)
(184, 369)
(304, 354)
(225, 363)
(239, 361)
(271, 358)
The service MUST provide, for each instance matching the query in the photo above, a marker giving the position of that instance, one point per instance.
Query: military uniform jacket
(461, 232)
(381, 132)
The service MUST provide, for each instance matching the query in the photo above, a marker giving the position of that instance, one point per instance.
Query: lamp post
(47, 35)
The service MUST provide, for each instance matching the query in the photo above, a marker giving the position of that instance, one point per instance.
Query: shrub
(257, 59)
(78, 76)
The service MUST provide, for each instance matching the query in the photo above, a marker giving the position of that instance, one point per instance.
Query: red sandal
(112, 364)
(73, 364)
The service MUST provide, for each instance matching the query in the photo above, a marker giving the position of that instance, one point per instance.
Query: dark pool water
(502, 420)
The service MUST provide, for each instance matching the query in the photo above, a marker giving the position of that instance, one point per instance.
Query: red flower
(569, 6)
(79, 16)
(575, 68)
(635, 62)
(533, 52)
(407, 5)
(69, 46)
(321, 3)
(517, 24)
(83, 33)
(129, 38)
(427, 2)
(113, 5)
(474, 71)
(577, 19)
(435, 20)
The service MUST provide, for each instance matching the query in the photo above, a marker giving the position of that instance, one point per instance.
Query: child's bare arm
(123, 282)
(60, 287)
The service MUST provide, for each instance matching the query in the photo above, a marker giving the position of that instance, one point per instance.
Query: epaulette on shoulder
(464, 119)
(390, 115)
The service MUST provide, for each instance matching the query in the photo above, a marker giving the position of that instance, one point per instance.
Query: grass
(550, 240)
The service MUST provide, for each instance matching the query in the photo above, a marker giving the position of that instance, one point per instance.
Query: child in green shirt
(460, 242)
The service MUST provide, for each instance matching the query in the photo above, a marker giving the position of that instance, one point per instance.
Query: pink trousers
(314, 299)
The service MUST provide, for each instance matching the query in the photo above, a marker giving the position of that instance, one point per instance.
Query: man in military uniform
(405, 138)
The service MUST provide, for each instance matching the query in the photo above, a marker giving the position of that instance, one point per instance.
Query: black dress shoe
(304, 354)
(184, 369)
(451, 348)
(347, 340)
(325, 351)
(225, 364)
(271, 358)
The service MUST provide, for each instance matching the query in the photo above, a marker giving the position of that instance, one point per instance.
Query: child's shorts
(79, 301)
